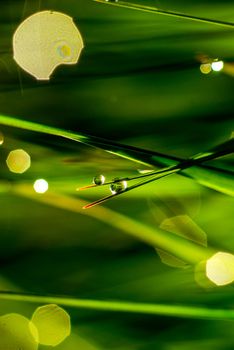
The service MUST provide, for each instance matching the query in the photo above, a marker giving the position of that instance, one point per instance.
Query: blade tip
(87, 206)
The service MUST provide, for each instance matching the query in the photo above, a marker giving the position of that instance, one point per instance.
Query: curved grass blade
(136, 154)
(186, 250)
(220, 180)
(124, 306)
(218, 151)
(216, 179)
(132, 153)
(155, 10)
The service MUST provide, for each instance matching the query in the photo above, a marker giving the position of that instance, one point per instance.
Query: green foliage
(138, 83)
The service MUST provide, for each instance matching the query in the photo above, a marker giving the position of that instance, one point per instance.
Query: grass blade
(155, 10)
(135, 154)
(124, 306)
(220, 180)
(188, 251)
(154, 178)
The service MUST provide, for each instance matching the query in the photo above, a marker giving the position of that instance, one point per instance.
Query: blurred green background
(138, 81)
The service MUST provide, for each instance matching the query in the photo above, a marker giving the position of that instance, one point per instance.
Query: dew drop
(99, 180)
(118, 186)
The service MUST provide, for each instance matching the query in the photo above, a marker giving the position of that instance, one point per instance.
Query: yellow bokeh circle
(17, 332)
(18, 161)
(52, 323)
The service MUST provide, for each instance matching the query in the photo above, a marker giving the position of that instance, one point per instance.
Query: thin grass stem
(151, 9)
(124, 306)
(150, 174)
(218, 151)
(210, 177)
(139, 184)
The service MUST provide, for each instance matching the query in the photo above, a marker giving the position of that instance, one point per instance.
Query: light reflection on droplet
(53, 324)
(18, 161)
(41, 186)
(118, 186)
(99, 180)
(220, 268)
(145, 171)
(205, 68)
(217, 66)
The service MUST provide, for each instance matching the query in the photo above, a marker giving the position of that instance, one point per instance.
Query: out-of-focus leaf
(175, 244)
(184, 226)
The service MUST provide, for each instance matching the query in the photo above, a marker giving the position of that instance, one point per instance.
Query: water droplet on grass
(118, 186)
(99, 180)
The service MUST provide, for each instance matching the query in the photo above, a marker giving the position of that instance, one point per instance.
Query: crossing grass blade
(211, 177)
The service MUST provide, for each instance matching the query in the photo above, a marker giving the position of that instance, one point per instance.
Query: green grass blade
(217, 151)
(214, 178)
(211, 177)
(128, 152)
(124, 306)
(188, 251)
(155, 10)
(130, 188)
